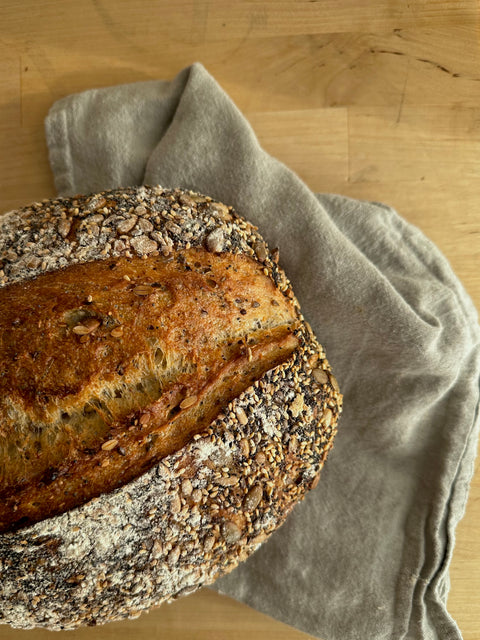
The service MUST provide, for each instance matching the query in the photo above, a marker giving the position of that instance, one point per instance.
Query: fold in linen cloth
(366, 555)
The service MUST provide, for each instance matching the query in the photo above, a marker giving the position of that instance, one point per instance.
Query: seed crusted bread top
(202, 509)
(143, 221)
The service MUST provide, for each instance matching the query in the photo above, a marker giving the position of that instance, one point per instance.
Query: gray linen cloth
(366, 555)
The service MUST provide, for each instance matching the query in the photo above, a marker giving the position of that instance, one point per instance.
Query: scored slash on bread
(195, 334)
(161, 394)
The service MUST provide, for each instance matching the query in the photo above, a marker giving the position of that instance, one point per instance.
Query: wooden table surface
(375, 99)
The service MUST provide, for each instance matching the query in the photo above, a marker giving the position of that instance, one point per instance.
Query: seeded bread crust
(204, 508)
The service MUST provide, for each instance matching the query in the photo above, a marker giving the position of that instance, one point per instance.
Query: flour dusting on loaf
(54, 234)
(200, 510)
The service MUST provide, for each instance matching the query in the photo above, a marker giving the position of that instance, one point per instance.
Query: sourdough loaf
(163, 403)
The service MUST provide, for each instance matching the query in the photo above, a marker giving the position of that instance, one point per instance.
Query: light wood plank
(205, 615)
(10, 90)
(414, 143)
(258, 19)
(277, 73)
(25, 175)
(219, 21)
(314, 141)
(403, 66)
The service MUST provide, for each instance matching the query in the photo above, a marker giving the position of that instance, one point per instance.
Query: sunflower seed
(244, 446)
(80, 330)
(186, 200)
(127, 225)
(241, 415)
(64, 227)
(320, 376)
(333, 382)
(88, 326)
(143, 245)
(230, 532)
(209, 542)
(215, 241)
(220, 210)
(253, 497)
(143, 290)
(327, 417)
(261, 251)
(144, 418)
(109, 445)
(188, 402)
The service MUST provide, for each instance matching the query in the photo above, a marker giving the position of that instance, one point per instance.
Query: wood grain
(375, 99)
(9, 87)
(205, 615)
(316, 140)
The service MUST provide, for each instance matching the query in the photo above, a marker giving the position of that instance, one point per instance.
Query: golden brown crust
(136, 343)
